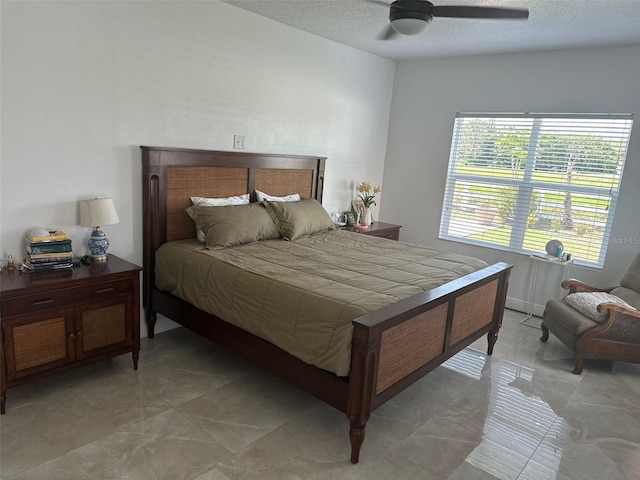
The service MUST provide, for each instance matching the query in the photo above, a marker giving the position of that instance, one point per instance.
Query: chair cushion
(630, 296)
(565, 322)
(587, 303)
(631, 278)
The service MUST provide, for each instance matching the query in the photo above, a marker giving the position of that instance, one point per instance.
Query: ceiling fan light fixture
(410, 26)
(411, 17)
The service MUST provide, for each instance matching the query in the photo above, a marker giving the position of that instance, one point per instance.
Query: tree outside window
(515, 181)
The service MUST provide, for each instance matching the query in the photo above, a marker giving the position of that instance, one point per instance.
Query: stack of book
(48, 252)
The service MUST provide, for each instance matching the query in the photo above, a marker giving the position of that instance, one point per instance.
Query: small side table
(57, 320)
(537, 260)
(379, 229)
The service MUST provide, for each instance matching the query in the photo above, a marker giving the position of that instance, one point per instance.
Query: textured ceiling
(552, 24)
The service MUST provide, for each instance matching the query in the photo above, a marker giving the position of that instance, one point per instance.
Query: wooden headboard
(170, 176)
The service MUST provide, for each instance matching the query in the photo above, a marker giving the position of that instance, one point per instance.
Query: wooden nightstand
(58, 320)
(379, 229)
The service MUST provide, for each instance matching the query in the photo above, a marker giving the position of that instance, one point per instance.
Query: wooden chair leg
(577, 370)
(545, 333)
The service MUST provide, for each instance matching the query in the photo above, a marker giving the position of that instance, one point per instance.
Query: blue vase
(98, 245)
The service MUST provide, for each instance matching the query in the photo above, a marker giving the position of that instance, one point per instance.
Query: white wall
(428, 93)
(84, 84)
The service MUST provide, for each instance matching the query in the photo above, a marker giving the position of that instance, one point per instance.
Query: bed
(390, 348)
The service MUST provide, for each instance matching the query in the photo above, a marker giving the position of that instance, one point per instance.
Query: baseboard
(522, 306)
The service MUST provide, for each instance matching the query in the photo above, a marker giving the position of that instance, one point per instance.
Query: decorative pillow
(294, 197)
(234, 225)
(217, 202)
(587, 303)
(298, 219)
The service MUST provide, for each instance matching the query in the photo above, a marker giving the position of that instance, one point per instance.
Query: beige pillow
(234, 225)
(299, 219)
(587, 303)
(217, 202)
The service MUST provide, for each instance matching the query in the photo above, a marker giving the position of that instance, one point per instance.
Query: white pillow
(217, 202)
(220, 202)
(294, 197)
(587, 303)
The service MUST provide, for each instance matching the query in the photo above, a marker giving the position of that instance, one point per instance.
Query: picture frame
(356, 207)
(351, 218)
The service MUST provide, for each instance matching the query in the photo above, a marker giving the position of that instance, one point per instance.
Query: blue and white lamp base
(98, 245)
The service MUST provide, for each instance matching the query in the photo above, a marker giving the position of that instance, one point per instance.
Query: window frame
(527, 184)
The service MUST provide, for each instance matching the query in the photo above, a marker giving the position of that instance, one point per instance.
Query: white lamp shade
(97, 212)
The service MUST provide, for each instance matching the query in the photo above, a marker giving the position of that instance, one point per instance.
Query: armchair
(614, 334)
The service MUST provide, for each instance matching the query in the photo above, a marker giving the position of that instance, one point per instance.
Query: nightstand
(379, 229)
(57, 320)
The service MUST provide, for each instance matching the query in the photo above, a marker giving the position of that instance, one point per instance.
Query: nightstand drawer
(390, 234)
(59, 298)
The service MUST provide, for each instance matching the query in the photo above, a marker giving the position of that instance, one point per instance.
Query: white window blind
(516, 181)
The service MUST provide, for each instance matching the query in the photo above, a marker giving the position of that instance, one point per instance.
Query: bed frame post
(501, 299)
(318, 184)
(364, 359)
(152, 215)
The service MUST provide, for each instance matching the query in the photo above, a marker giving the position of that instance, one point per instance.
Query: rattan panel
(39, 343)
(103, 326)
(410, 345)
(626, 330)
(473, 311)
(285, 182)
(211, 182)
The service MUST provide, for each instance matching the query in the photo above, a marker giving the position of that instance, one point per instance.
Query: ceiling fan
(410, 17)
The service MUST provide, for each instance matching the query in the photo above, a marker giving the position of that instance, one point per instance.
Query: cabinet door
(37, 342)
(103, 326)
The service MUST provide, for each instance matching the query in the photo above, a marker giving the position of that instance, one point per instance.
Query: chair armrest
(612, 309)
(574, 286)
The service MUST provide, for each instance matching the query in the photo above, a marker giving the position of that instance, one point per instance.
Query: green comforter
(302, 296)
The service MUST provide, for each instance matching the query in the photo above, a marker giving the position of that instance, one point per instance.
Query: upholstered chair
(601, 321)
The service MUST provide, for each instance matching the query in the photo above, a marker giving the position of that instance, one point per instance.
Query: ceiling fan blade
(387, 33)
(461, 11)
(379, 2)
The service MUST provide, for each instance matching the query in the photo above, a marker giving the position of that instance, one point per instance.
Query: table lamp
(95, 213)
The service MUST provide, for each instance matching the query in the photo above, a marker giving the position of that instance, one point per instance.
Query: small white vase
(366, 218)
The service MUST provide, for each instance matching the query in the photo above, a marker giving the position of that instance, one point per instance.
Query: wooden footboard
(395, 346)
(391, 348)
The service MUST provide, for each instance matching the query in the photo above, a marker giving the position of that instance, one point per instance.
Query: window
(516, 181)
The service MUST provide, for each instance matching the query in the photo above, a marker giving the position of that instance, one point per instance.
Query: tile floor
(194, 412)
